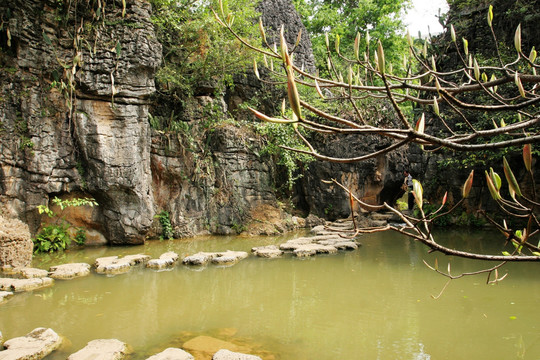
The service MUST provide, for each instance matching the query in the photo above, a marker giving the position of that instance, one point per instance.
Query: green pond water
(373, 303)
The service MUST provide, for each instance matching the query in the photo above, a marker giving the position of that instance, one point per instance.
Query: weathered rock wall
(75, 110)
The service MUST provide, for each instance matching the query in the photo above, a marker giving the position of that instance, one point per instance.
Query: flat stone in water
(69, 271)
(269, 251)
(18, 285)
(224, 354)
(200, 258)
(167, 259)
(35, 345)
(172, 354)
(229, 257)
(113, 265)
(30, 273)
(102, 349)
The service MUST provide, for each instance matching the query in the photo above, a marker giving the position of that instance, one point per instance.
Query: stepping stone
(200, 258)
(18, 285)
(113, 265)
(167, 259)
(229, 257)
(69, 271)
(172, 354)
(270, 251)
(3, 297)
(35, 345)
(346, 245)
(312, 249)
(30, 273)
(224, 354)
(102, 349)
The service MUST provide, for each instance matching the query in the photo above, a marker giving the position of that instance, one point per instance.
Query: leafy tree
(381, 19)
(505, 87)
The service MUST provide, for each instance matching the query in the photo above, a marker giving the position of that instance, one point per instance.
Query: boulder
(19, 285)
(167, 259)
(270, 251)
(35, 345)
(224, 354)
(102, 349)
(3, 296)
(112, 265)
(172, 354)
(69, 271)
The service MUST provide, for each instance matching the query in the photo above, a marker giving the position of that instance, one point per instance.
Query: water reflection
(374, 303)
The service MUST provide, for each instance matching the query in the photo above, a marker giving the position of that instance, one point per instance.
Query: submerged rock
(18, 285)
(205, 346)
(224, 354)
(69, 271)
(102, 349)
(269, 251)
(172, 354)
(112, 265)
(35, 345)
(165, 260)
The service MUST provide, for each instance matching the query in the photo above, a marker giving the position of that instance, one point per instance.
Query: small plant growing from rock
(166, 227)
(56, 236)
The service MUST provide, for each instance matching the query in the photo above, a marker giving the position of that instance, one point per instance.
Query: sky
(424, 14)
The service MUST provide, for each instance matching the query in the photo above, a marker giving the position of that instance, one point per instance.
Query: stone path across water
(41, 341)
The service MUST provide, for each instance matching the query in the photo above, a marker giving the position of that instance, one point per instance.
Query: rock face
(15, 244)
(98, 139)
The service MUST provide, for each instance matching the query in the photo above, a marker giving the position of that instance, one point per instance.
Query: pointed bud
(418, 193)
(436, 106)
(517, 39)
(319, 90)
(490, 16)
(444, 198)
(337, 43)
(484, 77)
(476, 70)
(380, 55)
(256, 70)
(326, 40)
(261, 29)
(532, 55)
(424, 50)
(420, 124)
(517, 80)
(453, 33)
(465, 46)
(512, 182)
(357, 46)
(527, 157)
(495, 178)
(261, 116)
(409, 39)
(467, 186)
(492, 189)
(298, 38)
(433, 65)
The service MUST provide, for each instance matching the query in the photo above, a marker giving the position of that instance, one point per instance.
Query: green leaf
(506, 253)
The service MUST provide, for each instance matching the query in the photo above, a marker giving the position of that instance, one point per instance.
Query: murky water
(374, 303)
